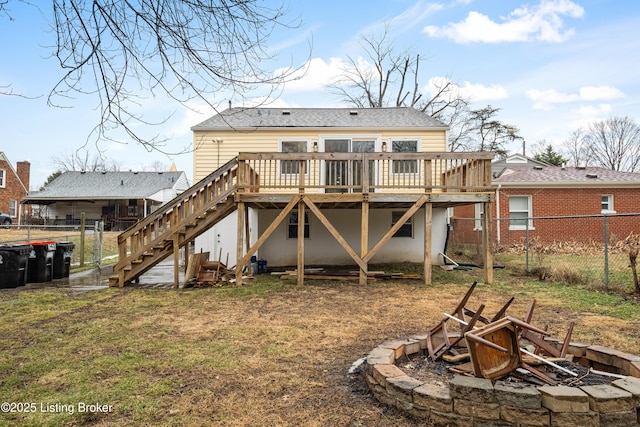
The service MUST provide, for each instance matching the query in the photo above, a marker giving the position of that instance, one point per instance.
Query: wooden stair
(175, 224)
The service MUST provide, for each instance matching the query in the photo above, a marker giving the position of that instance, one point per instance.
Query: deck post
(240, 243)
(176, 260)
(486, 243)
(301, 207)
(364, 238)
(428, 221)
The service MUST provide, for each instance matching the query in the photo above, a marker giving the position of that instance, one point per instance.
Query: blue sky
(549, 65)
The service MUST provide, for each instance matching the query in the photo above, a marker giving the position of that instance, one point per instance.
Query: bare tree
(159, 166)
(389, 78)
(614, 144)
(82, 160)
(576, 148)
(125, 52)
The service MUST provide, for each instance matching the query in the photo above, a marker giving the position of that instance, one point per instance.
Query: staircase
(175, 224)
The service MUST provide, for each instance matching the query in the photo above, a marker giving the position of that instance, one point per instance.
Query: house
(527, 197)
(513, 162)
(14, 186)
(117, 198)
(313, 186)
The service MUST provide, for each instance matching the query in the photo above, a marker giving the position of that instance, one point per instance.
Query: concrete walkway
(159, 277)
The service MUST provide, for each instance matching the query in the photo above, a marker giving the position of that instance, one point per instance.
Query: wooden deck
(314, 181)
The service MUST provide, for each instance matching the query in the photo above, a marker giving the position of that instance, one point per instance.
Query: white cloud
(473, 91)
(545, 99)
(594, 93)
(541, 22)
(314, 75)
(587, 114)
(479, 92)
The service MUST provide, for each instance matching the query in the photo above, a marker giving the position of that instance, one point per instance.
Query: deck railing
(344, 172)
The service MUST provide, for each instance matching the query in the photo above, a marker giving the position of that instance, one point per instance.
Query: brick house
(14, 185)
(526, 197)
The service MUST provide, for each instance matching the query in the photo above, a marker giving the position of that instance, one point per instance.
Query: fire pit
(601, 388)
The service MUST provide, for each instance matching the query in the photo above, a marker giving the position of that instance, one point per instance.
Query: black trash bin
(13, 265)
(41, 262)
(62, 259)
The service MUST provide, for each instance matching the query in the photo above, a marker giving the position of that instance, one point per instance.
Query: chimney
(23, 169)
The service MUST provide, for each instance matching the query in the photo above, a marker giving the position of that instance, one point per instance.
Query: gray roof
(73, 185)
(513, 161)
(569, 176)
(366, 118)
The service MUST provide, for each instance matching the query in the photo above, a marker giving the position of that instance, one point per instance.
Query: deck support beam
(176, 260)
(364, 239)
(389, 234)
(274, 224)
(240, 262)
(335, 233)
(300, 243)
(428, 243)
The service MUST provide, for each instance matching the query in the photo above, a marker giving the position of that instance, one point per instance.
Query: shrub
(567, 273)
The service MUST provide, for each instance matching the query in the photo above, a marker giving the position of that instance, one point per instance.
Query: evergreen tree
(550, 157)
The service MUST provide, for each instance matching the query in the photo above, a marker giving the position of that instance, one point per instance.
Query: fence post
(606, 251)
(82, 229)
(526, 245)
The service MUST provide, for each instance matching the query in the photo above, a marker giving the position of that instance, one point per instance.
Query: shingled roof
(567, 176)
(72, 185)
(365, 118)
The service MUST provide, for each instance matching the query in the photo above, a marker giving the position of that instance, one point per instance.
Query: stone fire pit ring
(470, 402)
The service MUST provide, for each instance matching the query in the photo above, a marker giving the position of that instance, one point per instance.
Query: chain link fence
(591, 250)
(93, 247)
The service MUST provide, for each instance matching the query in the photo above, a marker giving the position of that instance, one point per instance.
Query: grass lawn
(268, 353)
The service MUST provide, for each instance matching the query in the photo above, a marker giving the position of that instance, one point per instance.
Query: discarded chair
(442, 340)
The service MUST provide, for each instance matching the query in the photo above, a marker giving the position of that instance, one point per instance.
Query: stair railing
(160, 226)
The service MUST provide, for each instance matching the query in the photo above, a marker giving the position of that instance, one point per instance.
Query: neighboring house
(553, 191)
(117, 198)
(513, 162)
(324, 130)
(14, 186)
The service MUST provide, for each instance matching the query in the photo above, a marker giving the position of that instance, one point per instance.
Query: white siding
(322, 248)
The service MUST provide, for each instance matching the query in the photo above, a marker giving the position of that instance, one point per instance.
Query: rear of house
(324, 130)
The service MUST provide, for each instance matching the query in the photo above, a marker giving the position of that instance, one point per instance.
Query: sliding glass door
(344, 175)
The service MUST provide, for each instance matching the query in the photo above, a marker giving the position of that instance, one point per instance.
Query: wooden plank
(195, 260)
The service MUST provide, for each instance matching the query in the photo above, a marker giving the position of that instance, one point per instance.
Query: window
(479, 216)
(405, 146)
(3, 174)
(13, 208)
(406, 230)
(519, 211)
(291, 166)
(293, 225)
(607, 203)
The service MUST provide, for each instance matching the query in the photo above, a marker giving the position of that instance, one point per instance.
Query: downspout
(498, 213)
